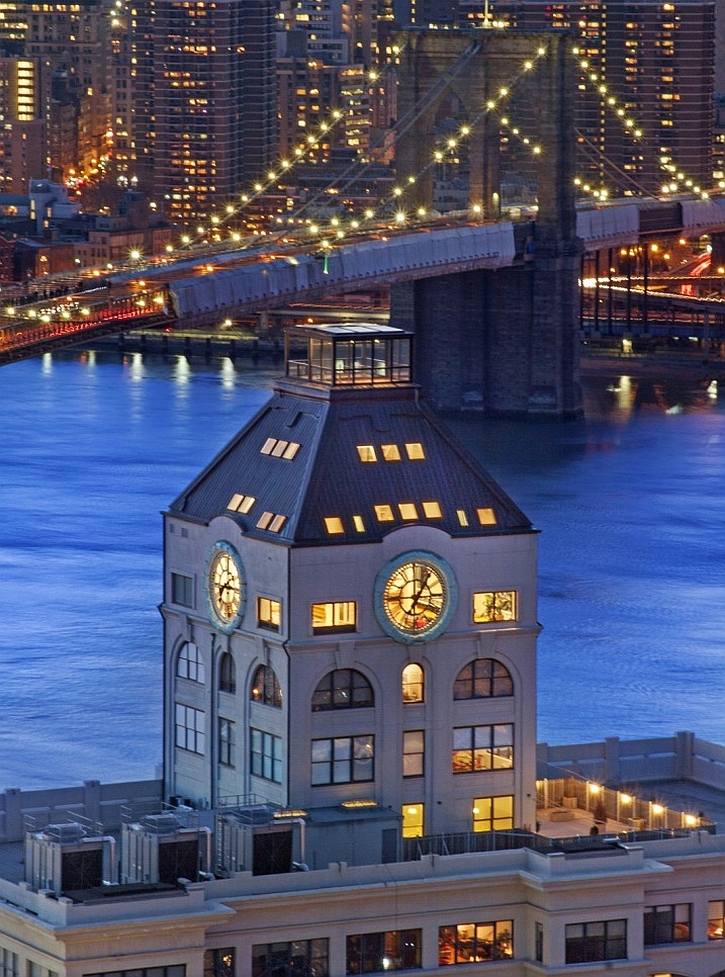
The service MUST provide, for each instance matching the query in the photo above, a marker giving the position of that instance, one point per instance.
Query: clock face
(225, 587)
(415, 596)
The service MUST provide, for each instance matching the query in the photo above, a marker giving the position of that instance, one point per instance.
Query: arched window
(344, 688)
(190, 664)
(483, 678)
(265, 687)
(227, 673)
(413, 683)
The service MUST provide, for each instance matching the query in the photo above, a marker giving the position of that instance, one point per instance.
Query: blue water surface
(630, 504)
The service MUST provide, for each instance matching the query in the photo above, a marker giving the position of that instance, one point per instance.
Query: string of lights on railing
(678, 181)
(336, 231)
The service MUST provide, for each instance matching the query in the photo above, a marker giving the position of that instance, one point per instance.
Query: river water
(630, 503)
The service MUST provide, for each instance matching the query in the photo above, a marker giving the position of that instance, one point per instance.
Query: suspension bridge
(493, 301)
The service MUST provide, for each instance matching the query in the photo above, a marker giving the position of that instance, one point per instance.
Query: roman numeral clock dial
(415, 596)
(225, 587)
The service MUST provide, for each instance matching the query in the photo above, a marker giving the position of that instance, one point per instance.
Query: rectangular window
(370, 953)
(413, 753)
(483, 748)
(343, 760)
(334, 616)
(493, 813)
(497, 605)
(475, 942)
(539, 943)
(269, 613)
(9, 963)
(219, 963)
(667, 924)
(266, 756)
(715, 919)
(415, 451)
(189, 729)
(182, 590)
(226, 742)
(413, 820)
(292, 959)
(587, 942)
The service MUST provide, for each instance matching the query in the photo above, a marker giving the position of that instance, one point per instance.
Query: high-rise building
(70, 42)
(22, 131)
(656, 61)
(204, 92)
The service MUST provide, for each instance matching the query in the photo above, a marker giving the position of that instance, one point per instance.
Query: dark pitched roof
(298, 458)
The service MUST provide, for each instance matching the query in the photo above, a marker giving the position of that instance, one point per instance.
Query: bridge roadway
(200, 290)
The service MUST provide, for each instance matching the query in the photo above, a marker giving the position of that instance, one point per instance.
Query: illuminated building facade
(205, 109)
(22, 131)
(349, 679)
(70, 42)
(657, 60)
(350, 609)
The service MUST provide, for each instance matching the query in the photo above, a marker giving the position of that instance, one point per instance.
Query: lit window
(390, 452)
(408, 510)
(478, 748)
(219, 963)
(432, 510)
(462, 517)
(280, 449)
(268, 613)
(493, 813)
(271, 521)
(486, 517)
(241, 503)
(498, 605)
(415, 451)
(475, 942)
(412, 818)
(366, 452)
(335, 615)
(413, 687)
(265, 687)
(333, 524)
(413, 753)
(716, 919)
(384, 513)
(358, 523)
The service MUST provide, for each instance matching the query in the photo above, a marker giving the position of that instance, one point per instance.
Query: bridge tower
(505, 341)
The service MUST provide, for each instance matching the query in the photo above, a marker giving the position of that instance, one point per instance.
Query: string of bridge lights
(678, 180)
(449, 145)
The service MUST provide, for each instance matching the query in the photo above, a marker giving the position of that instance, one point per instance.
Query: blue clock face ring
(415, 596)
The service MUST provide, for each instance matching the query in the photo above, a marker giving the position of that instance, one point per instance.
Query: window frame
(225, 743)
(501, 601)
(473, 950)
(343, 753)
(265, 755)
(193, 733)
(413, 751)
(482, 743)
(387, 948)
(316, 962)
(407, 684)
(269, 613)
(336, 606)
(715, 922)
(193, 665)
(489, 679)
(661, 923)
(271, 691)
(597, 946)
(181, 589)
(343, 688)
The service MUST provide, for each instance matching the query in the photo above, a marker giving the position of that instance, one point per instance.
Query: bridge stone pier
(504, 341)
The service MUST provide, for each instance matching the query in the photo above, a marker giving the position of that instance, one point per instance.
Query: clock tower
(350, 607)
